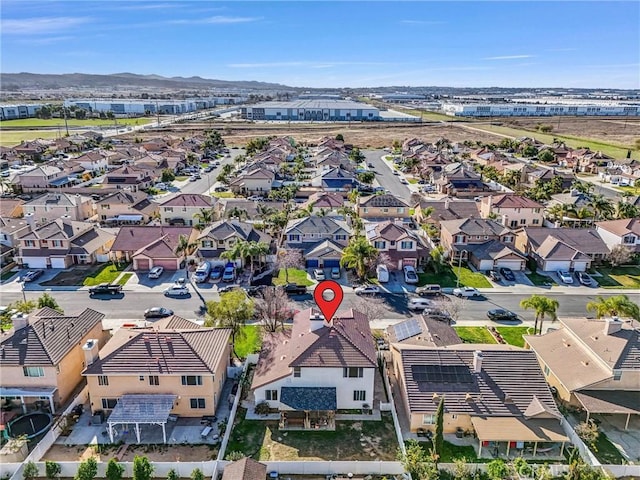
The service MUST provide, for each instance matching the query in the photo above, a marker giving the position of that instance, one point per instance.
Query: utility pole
(157, 113)
(64, 112)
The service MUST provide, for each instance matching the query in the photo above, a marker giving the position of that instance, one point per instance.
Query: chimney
(447, 202)
(490, 203)
(477, 361)
(505, 220)
(612, 325)
(316, 321)
(29, 219)
(90, 351)
(20, 320)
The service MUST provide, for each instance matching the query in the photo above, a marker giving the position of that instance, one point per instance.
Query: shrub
(197, 474)
(114, 470)
(233, 456)
(52, 469)
(30, 471)
(262, 408)
(587, 431)
(497, 469)
(142, 469)
(87, 470)
(172, 475)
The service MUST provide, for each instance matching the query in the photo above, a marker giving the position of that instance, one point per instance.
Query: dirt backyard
(157, 453)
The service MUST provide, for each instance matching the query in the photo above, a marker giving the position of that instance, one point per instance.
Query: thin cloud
(218, 19)
(304, 64)
(149, 6)
(422, 22)
(46, 40)
(40, 25)
(509, 57)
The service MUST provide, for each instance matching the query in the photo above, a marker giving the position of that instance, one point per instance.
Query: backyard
(295, 276)
(249, 340)
(619, 277)
(352, 440)
(475, 335)
(448, 277)
(155, 453)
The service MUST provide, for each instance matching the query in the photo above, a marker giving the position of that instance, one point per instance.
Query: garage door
(332, 263)
(312, 263)
(35, 262)
(167, 263)
(516, 265)
(556, 265)
(580, 266)
(58, 262)
(141, 264)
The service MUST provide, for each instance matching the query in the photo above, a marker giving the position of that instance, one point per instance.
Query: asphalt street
(385, 176)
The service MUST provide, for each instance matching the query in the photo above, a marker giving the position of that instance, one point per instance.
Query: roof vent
(508, 399)
(566, 342)
(435, 397)
(585, 363)
(468, 397)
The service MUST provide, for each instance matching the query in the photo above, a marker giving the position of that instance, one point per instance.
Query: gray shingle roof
(309, 398)
(384, 200)
(315, 224)
(585, 240)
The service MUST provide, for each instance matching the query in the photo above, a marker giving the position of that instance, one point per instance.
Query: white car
(466, 292)
(318, 274)
(565, 277)
(177, 291)
(367, 290)
(155, 272)
(410, 275)
(255, 198)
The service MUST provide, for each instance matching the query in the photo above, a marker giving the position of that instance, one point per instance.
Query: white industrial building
(311, 110)
(143, 106)
(12, 112)
(540, 110)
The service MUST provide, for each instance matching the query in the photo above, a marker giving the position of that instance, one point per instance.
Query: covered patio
(524, 436)
(609, 402)
(40, 396)
(308, 408)
(141, 409)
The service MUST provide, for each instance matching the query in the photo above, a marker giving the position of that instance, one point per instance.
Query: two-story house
(334, 179)
(93, 161)
(124, 207)
(593, 364)
(321, 239)
(222, 235)
(514, 210)
(327, 203)
(383, 207)
(40, 178)
(61, 243)
(175, 367)
(180, 210)
(316, 367)
(456, 180)
(130, 177)
(56, 205)
(255, 182)
(485, 243)
(403, 246)
(624, 232)
(41, 356)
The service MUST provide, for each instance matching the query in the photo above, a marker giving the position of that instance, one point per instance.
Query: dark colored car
(32, 275)
(103, 288)
(255, 291)
(508, 274)
(494, 276)
(157, 312)
(294, 289)
(501, 314)
(227, 288)
(216, 272)
(584, 279)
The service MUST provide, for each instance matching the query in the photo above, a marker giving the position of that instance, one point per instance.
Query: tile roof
(621, 227)
(58, 229)
(474, 226)
(554, 249)
(245, 469)
(347, 343)
(434, 333)
(584, 240)
(224, 229)
(494, 250)
(494, 391)
(8, 206)
(90, 241)
(161, 248)
(316, 224)
(189, 200)
(384, 200)
(514, 201)
(47, 339)
(451, 209)
(133, 238)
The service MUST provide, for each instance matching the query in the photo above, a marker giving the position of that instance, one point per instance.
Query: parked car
(202, 272)
(256, 198)
(429, 290)
(32, 275)
(367, 290)
(508, 275)
(220, 189)
(180, 281)
(438, 314)
(466, 292)
(193, 178)
(335, 272)
(501, 314)
(157, 312)
(216, 272)
(255, 291)
(318, 274)
(105, 288)
(410, 275)
(565, 277)
(177, 291)
(419, 303)
(584, 278)
(229, 274)
(155, 272)
(493, 275)
(209, 168)
(295, 289)
(227, 288)
(404, 181)
(382, 273)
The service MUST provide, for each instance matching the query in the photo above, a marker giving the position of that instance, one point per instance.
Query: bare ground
(158, 453)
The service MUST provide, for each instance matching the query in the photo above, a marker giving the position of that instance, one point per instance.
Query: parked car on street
(501, 314)
(565, 277)
(227, 288)
(32, 275)
(155, 272)
(507, 273)
(419, 303)
(157, 312)
(466, 292)
(255, 291)
(111, 289)
(429, 290)
(256, 198)
(584, 278)
(438, 314)
(176, 291)
(366, 290)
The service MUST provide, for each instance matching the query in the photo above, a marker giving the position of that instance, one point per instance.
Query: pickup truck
(294, 289)
(105, 288)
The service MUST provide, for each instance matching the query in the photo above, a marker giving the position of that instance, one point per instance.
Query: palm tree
(558, 212)
(614, 306)
(184, 248)
(238, 213)
(437, 258)
(305, 212)
(601, 206)
(543, 307)
(626, 210)
(580, 213)
(257, 250)
(239, 250)
(265, 212)
(582, 187)
(204, 218)
(360, 255)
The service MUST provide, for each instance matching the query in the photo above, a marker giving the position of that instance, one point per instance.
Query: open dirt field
(158, 453)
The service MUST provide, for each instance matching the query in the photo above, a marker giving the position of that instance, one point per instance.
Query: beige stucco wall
(451, 422)
(379, 212)
(184, 213)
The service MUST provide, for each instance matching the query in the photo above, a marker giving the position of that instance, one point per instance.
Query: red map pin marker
(328, 307)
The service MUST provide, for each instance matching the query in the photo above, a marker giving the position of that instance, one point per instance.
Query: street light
(460, 267)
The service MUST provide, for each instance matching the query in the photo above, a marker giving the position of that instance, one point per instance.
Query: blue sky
(332, 44)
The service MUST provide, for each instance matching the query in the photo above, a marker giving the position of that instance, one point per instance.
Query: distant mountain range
(15, 81)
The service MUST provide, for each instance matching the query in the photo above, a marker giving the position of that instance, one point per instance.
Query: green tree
(256, 145)
(142, 468)
(197, 474)
(114, 470)
(497, 469)
(529, 151)
(184, 248)
(46, 300)
(234, 456)
(172, 475)
(367, 177)
(203, 218)
(232, 311)
(340, 137)
(52, 469)
(30, 471)
(626, 210)
(437, 258)
(543, 307)
(438, 437)
(81, 114)
(167, 175)
(359, 255)
(87, 470)
(413, 461)
(582, 187)
(24, 306)
(546, 156)
(618, 305)
(238, 213)
(601, 207)
(356, 155)
(620, 255)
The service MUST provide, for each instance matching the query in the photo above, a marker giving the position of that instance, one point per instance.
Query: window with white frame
(359, 395)
(406, 245)
(192, 380)
(428, 419)
(271, 395)
(459, 239)
(297, 372)
(154, 380)
(629, 240)
(353, 372)
(109, 403)
(33, 371)
(380, 244)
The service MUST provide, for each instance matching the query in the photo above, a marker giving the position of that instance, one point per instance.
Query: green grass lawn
(124, 278)
(606, 452)
(619, 277)
(223, 194)
(413, 180)
(72, 122)
(540, 280)
(295, 276)
(631, 190)
(449, 275)
(7, 275)
(513, 335)
(249, 341)
(451, 452)
(475, 335)
(12, 138)
(105, 274)
(182, 178)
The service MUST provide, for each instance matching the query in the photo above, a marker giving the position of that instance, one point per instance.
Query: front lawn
(124, 278)
(619, 277)
(104, 274)
(540, 280)
(513, 335)
(249, 341)
(475, 335)
(262, 440)
(7, 275)
(448, 277)
(223, 194)
(295, 276)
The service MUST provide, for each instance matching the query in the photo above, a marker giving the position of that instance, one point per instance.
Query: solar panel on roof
(441, 374)
(407, 329)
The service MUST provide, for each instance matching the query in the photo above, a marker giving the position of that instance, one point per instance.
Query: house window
(406, 245)
(191, 380)
(459, 239)
(507, 239)
(546, 371)
(109, 403)
(478, 237)
(365, 210)
(352, 372)
(294, 238)
(617, 374)
(523, 221)
(56, 243)
(536, 210)
(296, 372)
(341, 237)
(33, 371)
(535, 221)
(428, 419)
(400, 210)
(197, 402)
(168, 209)
(380, 244)
(29, 243)
(359, 395)
(103, 380)
(141, 378)
(271, 395)
(385, 210)
(154, 380)
(206, 244)
(630, 240)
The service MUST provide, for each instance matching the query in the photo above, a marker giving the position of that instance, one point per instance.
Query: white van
(382, 272)
(202, 272)
(419, 304)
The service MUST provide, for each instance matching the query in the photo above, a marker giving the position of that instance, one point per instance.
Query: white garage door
(58, 263)
(553, 266)
(36, 262)
(515, 265)
(580, 266)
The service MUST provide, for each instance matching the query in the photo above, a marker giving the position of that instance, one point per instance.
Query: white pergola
(141, 409)
(21, 393)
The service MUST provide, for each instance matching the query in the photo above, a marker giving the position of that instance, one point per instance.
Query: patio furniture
(206, 431)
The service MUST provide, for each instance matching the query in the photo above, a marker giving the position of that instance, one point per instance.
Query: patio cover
(145, 409)
(129, 218)
(511, 429)
(29, 392)
(610, 401)
(309, 398)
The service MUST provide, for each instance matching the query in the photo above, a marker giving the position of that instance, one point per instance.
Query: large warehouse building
(312, 110)
(539, 110)
(140, 107)
(12, 112)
